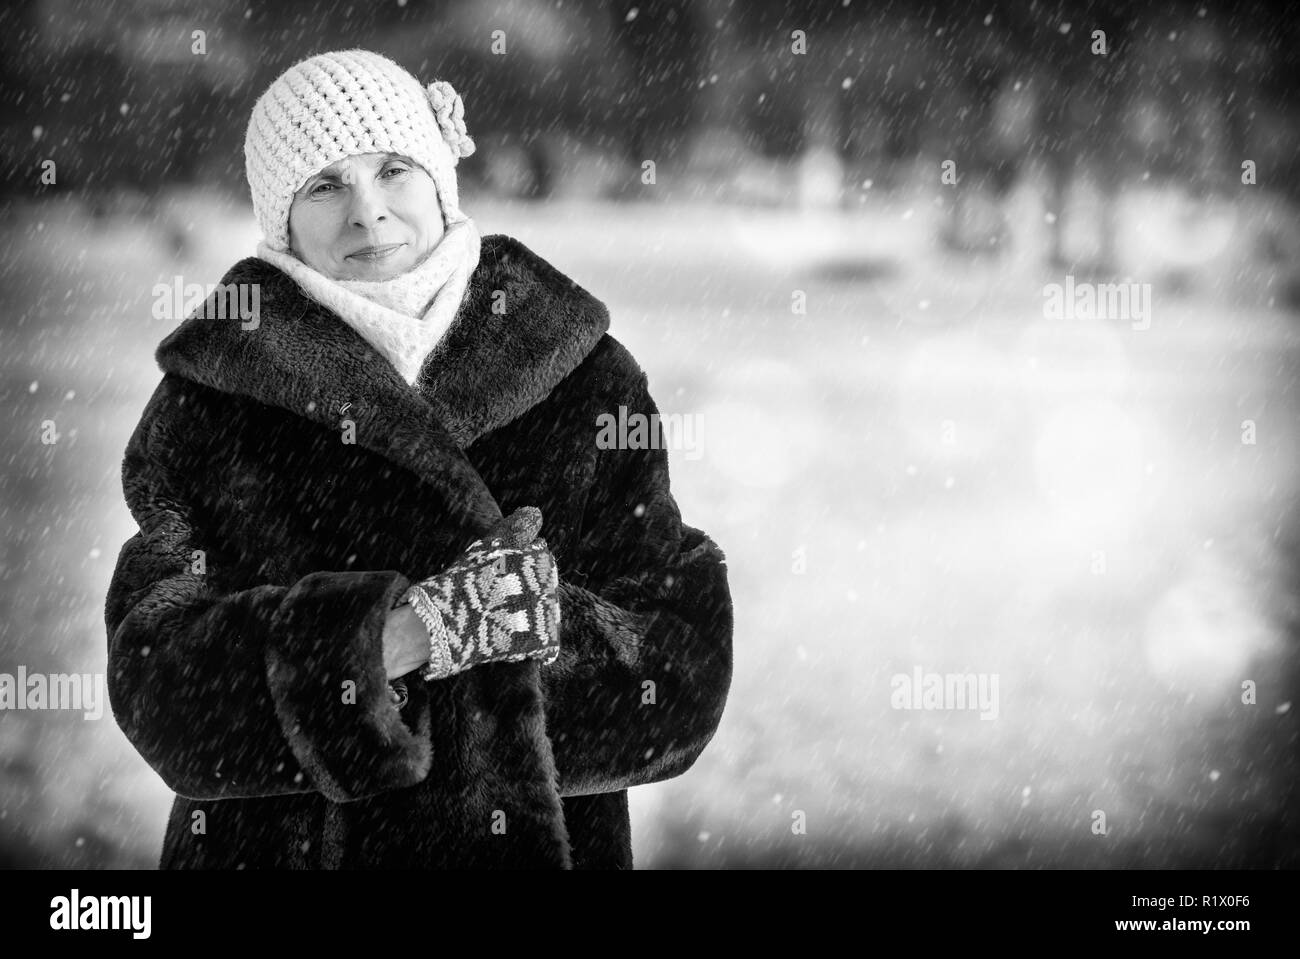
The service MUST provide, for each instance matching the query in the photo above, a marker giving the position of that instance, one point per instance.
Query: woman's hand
(406, 642)
(406, 637)
(498, 602)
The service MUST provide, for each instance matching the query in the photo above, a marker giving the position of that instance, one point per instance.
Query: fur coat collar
(521, 328)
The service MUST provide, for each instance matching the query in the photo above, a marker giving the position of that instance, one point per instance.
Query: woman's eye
(320, 189)
(396, 169)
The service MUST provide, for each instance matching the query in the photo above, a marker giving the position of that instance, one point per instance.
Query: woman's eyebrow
(330, 175)
(317, 178)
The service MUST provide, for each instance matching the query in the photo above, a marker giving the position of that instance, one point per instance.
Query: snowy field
(917, 471)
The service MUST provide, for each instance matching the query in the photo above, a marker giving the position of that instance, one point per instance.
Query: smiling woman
(366, 217)
(352, 163)
(343, 642)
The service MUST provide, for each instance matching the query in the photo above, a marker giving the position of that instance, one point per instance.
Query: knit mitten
(497, 602)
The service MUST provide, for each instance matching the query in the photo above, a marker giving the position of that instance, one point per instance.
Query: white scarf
(403, 317)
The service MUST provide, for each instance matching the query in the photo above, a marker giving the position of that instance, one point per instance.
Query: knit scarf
(405, 316)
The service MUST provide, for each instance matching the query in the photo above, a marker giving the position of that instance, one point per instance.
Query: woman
(337, 636)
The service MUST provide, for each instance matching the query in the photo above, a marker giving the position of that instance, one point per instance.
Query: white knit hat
(341, 104)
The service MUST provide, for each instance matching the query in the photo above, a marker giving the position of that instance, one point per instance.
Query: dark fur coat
(245, 617)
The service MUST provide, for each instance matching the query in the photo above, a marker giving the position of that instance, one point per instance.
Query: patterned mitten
(497, 603)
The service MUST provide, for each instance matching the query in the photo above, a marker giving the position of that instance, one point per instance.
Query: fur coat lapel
(522, 327)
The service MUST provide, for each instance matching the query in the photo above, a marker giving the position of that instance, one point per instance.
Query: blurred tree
(1077, 110)
(20, 92)
(662, 49)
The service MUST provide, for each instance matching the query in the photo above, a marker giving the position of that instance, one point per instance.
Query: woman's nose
(367, 207)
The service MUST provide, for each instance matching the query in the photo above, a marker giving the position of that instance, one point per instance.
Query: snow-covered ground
(909, 467)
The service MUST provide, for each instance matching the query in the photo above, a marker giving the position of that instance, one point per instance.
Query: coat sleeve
(645, 629)
(257, 691)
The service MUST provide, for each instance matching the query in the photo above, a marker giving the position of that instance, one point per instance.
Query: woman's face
(366, 217)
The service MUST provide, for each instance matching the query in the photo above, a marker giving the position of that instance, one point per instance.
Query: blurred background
(907, 463)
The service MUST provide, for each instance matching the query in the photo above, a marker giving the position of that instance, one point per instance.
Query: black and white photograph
(674, 436)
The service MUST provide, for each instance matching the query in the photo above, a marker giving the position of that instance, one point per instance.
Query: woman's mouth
(372, 253)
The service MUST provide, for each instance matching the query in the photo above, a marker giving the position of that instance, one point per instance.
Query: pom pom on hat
(341, 104)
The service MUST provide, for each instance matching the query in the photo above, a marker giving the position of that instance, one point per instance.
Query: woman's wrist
(439, 664)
